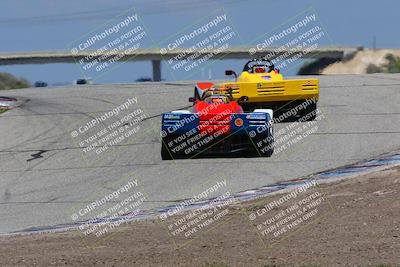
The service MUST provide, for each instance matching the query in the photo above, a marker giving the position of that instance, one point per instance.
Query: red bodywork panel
(216, 118)
(204, 85)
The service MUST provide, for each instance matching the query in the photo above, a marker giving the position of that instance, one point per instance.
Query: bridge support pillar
(156, 70)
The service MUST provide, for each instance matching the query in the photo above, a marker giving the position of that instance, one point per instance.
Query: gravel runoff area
(353, 222)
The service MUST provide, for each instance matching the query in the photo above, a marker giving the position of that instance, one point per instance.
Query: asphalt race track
(45, 176)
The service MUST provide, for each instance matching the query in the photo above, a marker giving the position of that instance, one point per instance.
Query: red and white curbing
(9, 102)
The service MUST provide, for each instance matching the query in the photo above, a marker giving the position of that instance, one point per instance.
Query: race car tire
(196, 94)
(165, 154)
(268, 153)
(310, 112)
(262, 151)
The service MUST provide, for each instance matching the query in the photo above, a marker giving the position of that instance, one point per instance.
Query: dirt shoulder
(361, 61)
(354, 222)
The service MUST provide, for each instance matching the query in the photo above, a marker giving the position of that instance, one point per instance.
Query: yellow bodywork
(271, 87)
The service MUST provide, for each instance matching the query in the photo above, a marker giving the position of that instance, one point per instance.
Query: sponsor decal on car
(260, 116)
(172, 116)
(239, 122)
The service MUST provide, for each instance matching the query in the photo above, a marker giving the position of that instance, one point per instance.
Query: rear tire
(269, 152)
(310, 112)
(165, 154)
(260, 152)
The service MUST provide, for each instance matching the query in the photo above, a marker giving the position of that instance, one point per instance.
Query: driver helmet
(217, 100)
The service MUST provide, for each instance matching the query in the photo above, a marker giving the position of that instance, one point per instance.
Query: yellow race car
(261, 86)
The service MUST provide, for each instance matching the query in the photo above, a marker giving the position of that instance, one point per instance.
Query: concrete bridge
(155, 56)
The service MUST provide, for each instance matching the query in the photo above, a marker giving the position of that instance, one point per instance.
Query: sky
(43, 25)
